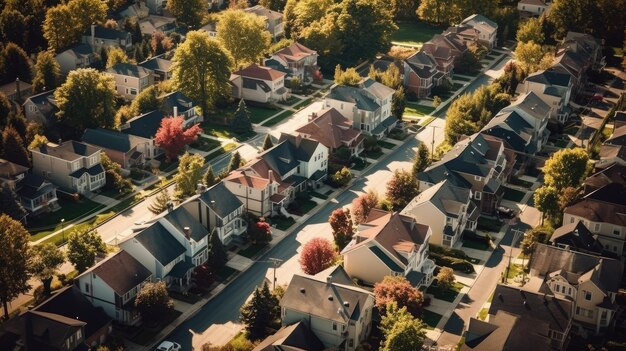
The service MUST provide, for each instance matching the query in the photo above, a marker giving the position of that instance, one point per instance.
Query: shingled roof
(260, 72)
(294, 52)
(330, 128)
(578, 237)
(68, 150)
(121, 272)
(220, 200)
(160, 243)
(110, 139)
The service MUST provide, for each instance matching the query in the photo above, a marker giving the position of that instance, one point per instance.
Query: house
(179, 104)
(297, 60)
(604, 212)
(268, 183)
(368, 106)
(554, 88)
(78, 56)
(137, 9)
(210, 28)
(17, 91)
(615, 173)
(590, 282)
(619, 119)
(535, 7)
(338, 312)
(11, 173)
(543, 319)
(130, 80)
(156, 7)
(35, 193)
(421, 74)
(575, 64)
(273, 20)
(610, 155)
(42, 109)
(153, 23)
(536, 112)
(447, 210)
(72, 165)
(333, 130)
(618, 137)
(101, 37)
(295, 337)
(577, 237)
(486, 28)
(587, 44)
(447, 49)
(259, 83)
(479, 163)
(160, 67)
(389, 244)
(113, 284)
(468, 34)
(116, 145)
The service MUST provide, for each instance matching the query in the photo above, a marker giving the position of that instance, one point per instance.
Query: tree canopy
(401, 189)
(13, 147)
(47, 72)
(531, 30)
(189, 174)
(317, 255)
(401, 330)
(153, 301)
(241, 123)
(362, 205)
(82, 249)
(10, 203)
(343, 228)
(16, 64)
(422, 159)
(45, 260)
(172, 137)
(14, 272)
(566, 168)
(261, 312)
(398, 289)
(547, 201)
(188, 12)
(244, 35)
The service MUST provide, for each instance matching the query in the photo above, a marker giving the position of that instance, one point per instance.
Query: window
(133, 91)
(334, 326)
(617, 231)
(571, 220)
(596, 227)
(87, 287)
(477, 178)
(351, 343)
(477, 195)
(587, 295)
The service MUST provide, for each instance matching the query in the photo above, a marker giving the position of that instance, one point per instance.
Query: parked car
(168, 346)
(506, 212)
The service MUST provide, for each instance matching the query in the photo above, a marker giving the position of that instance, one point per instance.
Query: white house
(259, 83)
(554, 88)
(130, 80)
(486, 28)
(535, 7)
(78, 56)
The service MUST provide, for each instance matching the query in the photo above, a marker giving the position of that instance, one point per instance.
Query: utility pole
(516, 235)
(432, 144)
(275, 263)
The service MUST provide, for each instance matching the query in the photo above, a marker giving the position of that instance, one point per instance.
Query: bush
(370, 143)
(446, 251)
(452, 262)
(341, 178)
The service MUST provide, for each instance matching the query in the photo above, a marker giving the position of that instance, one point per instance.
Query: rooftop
(70, 150)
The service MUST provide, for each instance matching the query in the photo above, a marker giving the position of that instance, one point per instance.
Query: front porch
(423, 276)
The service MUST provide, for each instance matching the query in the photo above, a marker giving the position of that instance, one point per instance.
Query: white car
(168, 346)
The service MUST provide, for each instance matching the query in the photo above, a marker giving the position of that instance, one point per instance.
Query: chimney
(170, 207)
(200, 188)
(17, 89)
(329, 279)
(313, 116)
(93, 37)
(270, 175)
(175, 111)
(187, 232)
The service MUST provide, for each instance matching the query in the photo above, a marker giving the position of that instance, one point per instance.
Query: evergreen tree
(422, 159)
(10, 204)
(160, 202)
(138, 55)
(13, 147)
(261, 312)
(241, 123)
(209, 178)
(17, 64)
(104, 56)
(217, 252)
(235, 162)
(268, 143)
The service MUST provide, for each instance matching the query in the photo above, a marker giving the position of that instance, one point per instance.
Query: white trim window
(478, 195)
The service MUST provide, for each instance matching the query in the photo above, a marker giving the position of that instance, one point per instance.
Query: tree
(83, 248)
(436, 11)
(547, 201)
(172, 138)
(209, 179)
(160, 202)
(532, 57)
(445, 278)
(86, 100)
(469, 63)
(274, 5)
(189, 174)
(568, 15)
(47, 72)
(13, 147)
(13, 27)
(341, 177)
(349, 77)
(261, 312)
(241, 123)
(403, 9)
(342, 226)
(206, 80)
(153, 301)
(362, 205)
(568, 196)
(86, 12)
(58, 27)
(14, 271)
(531, 30)
(268, 143)
(17, 64)
(244, 35)
(116, 55)
(566, 168)
(401, 330)
(317, 255)
(217, 252)
(10, 203)
(422, 160)
(398, 103)
(160, 43)
(6, 107)
(38, 140)
(45, 260)
(398, 289)
(401, 189)
(189, 12)
(113, 175)
(259, 231)
(148, 100)
(540, 234)
(300, 14)
(235, 162)
(436, 101)
(138, 53)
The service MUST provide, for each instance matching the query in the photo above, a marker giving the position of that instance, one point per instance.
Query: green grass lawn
(431, 319)
(414, 33)
(513, 195)
(279, 118)
(252, 250)
(281, 223)
(386, 145)
(224, 149)
(488, 224)
(260, 114)
(47, 223)
(373, 154)
(318, 195)
(205, 144)
(223, 131)
(447, 294)
(302, 103)
(514, 270)
(418, 110)
(292, 100)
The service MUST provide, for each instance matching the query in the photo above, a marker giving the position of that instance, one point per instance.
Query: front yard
(444, 294)
(47, 223)
(252, 250)
(205, 144)
(414, 33)
(431, 319)
(513, 194)
(489, 224)
(416, 110)
(281, 223)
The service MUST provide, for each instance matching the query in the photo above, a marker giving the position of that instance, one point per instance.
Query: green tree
(47, 72)
(37, 141)
(13, 147)
(445, 278)
(349, 77)
(6, 107)
(241, 123)
(244, 35)
(86, 100)
(235, 162)
(206, 80)
(138, 53)
(401, 189)
(547, 201)
(209, 179)
(403, 9)
(83, 248)
(341, 177)
(300, 14)
(160, 202)
(342, 226)
(153, 301)
(268, 143)
(532, 57)
(189, 12)
(540, 234)
(566, 168)
(10, 203)
(439, 12)
(116, 55)
(16, 63)
(189, 174)
(568, 15)
(58, 27)
(422, 160)
(469, 63)
(401, 331)
(274, 5)
(261, 312)
(148, 100)
(45, 261)
(436, 101)
(14, 240)
(86, 12)
(218, 256)
(113, 175)
(13, 27)
(531, 30)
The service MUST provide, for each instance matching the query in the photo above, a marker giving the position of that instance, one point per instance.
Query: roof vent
(346, 304)
(302, 290)
(330, 297)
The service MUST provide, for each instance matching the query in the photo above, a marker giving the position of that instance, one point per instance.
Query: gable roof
(260, 72)
(45, 102)
(48, 331)
(550, 77)
(446, 197)
(247, 178)
(220, 200)
(121, 272)
(157, 64)
(422, 64)
(296, 337)
(160, 243)
(477, 18)
(79, 50)
(357, 96)
(110, 139)
(69, 150)
(578, 237)
(175, 99)
(107, 33)
(614, 173)
(379, 90)
(181, 218)
(330, 128)
(530, 104)
(145, 125)
(127, 69)
(605, 205)
(264, 12)
(294, 52)
(513, 129)
(10, 170)
(507, 331)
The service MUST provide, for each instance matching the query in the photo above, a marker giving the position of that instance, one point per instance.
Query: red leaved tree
(259, 232)
(343, 227)
(172, 138)
(399, 290)
(317, 255)
(362, 205)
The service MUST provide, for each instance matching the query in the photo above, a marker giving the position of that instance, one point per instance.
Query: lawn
(260, 114)
(281, 223)
(513, 195)
(488, 224)
(146, 335)
(205, 144)
(225, 273)
(224, 149)
(70, 210)
(463, 79)
(417, 110)
(414, 33)
(373, 154)
(431, 319)
(223, 131)
(447, 294)
(278, 119)
(386, 145)
(359, 166)
(302, 103)
(318, 195)
(514, 271)
(475, 244)
(252, 250)
(292, 100)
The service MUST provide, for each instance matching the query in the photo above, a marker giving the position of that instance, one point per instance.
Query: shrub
(341, 178)
(454, 263)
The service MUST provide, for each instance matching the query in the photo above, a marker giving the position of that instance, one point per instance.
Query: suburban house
(447, 209)
(611, 154)
(130, 80)
(619, 119)
(35, 193)
(295, 337)
(618, 137)
(575, 64)
(178, 104)
(577, 237)
(534, 7)
(587, 44)
(156, 6)
(160, 67)
(447, 49)
(543, 319)
(268, 183)
(368, 106)
(72, 165)
(17, 91)
(486, 28)
(101, 37)
(78, 56)
(338, 312)
(42, 109)
(554, 88)
(333, 130)
(152, 24)
(259, 84)
(138, 10)
(297, 60)
(604, 212)
(113, 284)
(604, 176)
(479, 163)
(536, 112)
(116, 145)
(590, 282)
(465, 32)
(389, 244)
(506, 331)
(210, 28)
(421, 74)
(273, 20)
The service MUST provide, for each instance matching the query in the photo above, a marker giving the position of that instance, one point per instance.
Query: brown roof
(121, 272)
(330, 128)
(252, 181)
(294, 52)
(614, 173)
(9, 169)
(260, 72)
(605, 205)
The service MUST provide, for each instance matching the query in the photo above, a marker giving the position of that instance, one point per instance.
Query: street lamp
(276, 263)
(62, 229)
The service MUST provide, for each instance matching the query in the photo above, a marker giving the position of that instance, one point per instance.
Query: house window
(125, 80)
(596, 227)
(617, 231)
(587, 295)
(477, 178)
(87, 288)
(477, 195)
(133, 91)
(571, 220)
(351, 343)
(334, 326)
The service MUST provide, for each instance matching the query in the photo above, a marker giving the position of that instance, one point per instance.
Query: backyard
(414, 33)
